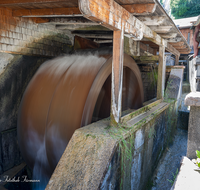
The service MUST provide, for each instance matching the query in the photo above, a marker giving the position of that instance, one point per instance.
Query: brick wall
(23, 36)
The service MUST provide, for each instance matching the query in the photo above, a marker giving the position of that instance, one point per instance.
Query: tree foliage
(185, 8)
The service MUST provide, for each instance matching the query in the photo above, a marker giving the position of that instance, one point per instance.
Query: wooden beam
(177, 60)
(161, 29)
(82, 43)
(117, 76)
(18, 2)
(72, 21)
(41, 20)
(140, 9)
(111, 15)
(73, 11)
(173, 40)
(131, 47)
(172, 50)
(103, 41)
(102, 36)
(169, 35)
(146, 59)
(161, 73)
(153, 20)
(82, 27)
(176, 43)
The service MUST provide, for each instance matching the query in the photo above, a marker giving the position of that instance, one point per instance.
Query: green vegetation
(174, 177)
(197, 161)
(185, 8)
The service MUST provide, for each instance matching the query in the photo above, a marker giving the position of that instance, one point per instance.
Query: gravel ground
(170, 162)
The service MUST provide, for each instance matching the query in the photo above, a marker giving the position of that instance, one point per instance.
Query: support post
(177, 60)
(161, 73)
(117, 76)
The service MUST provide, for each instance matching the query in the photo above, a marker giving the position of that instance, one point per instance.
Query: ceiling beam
(176, 43)
(140, 9)
(174, 40)
(152, 20)
(102, 36)
(161, 29)
(71, 21)
(18, 2)
(169, 35)
(73, 11)
(81, 27)
(103, 41)
(111, 15)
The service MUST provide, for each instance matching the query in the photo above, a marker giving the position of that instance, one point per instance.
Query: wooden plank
(46, 12)
(8, 2)
(177, 60)
(172, 50)
(161, 73)
(111, 15)
(71, 21)
(176, 43)
(117, 76)
(174, 40)
(81, 27)
(140, 9)
(82, 43)
(161, 29)
(103, 41)
(169, 35)
(146, 59)
(41, 20)
(152, 20)
(102, 36)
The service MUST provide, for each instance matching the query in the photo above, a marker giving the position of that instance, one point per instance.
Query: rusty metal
(65, 94)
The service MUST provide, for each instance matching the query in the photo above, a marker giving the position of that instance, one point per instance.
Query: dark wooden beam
(46, 12)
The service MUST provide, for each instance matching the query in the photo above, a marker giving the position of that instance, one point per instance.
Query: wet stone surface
(170, 162)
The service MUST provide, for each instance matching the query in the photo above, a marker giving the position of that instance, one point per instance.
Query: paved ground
(170, 162)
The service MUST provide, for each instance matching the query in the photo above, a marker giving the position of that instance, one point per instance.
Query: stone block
(9, 149)
(193, 99)
(193, 132)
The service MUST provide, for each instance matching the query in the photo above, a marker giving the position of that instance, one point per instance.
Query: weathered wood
(102, 36)
(117, 76)
(72, 21)
(153, 20)
(131, 47)
(177, 60)
(161, 29)
(82, 27)
(169, 35)
(40, 20)
(45, 12)
(172, 50)
(161, 73)
(173, 40)
(146, 59)
(111, 15)
(82, 43)
(176, 43)
(103, 41)
(140, 9)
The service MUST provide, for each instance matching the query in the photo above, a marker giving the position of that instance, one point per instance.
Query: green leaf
(198, 153)
(199, 164)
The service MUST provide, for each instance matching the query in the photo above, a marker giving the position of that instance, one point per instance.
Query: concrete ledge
(188, 177)
(92, 150)
(193, 99)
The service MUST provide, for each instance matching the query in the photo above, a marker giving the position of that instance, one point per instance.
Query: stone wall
(103, 157)
(24, 36)
(24, 46)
